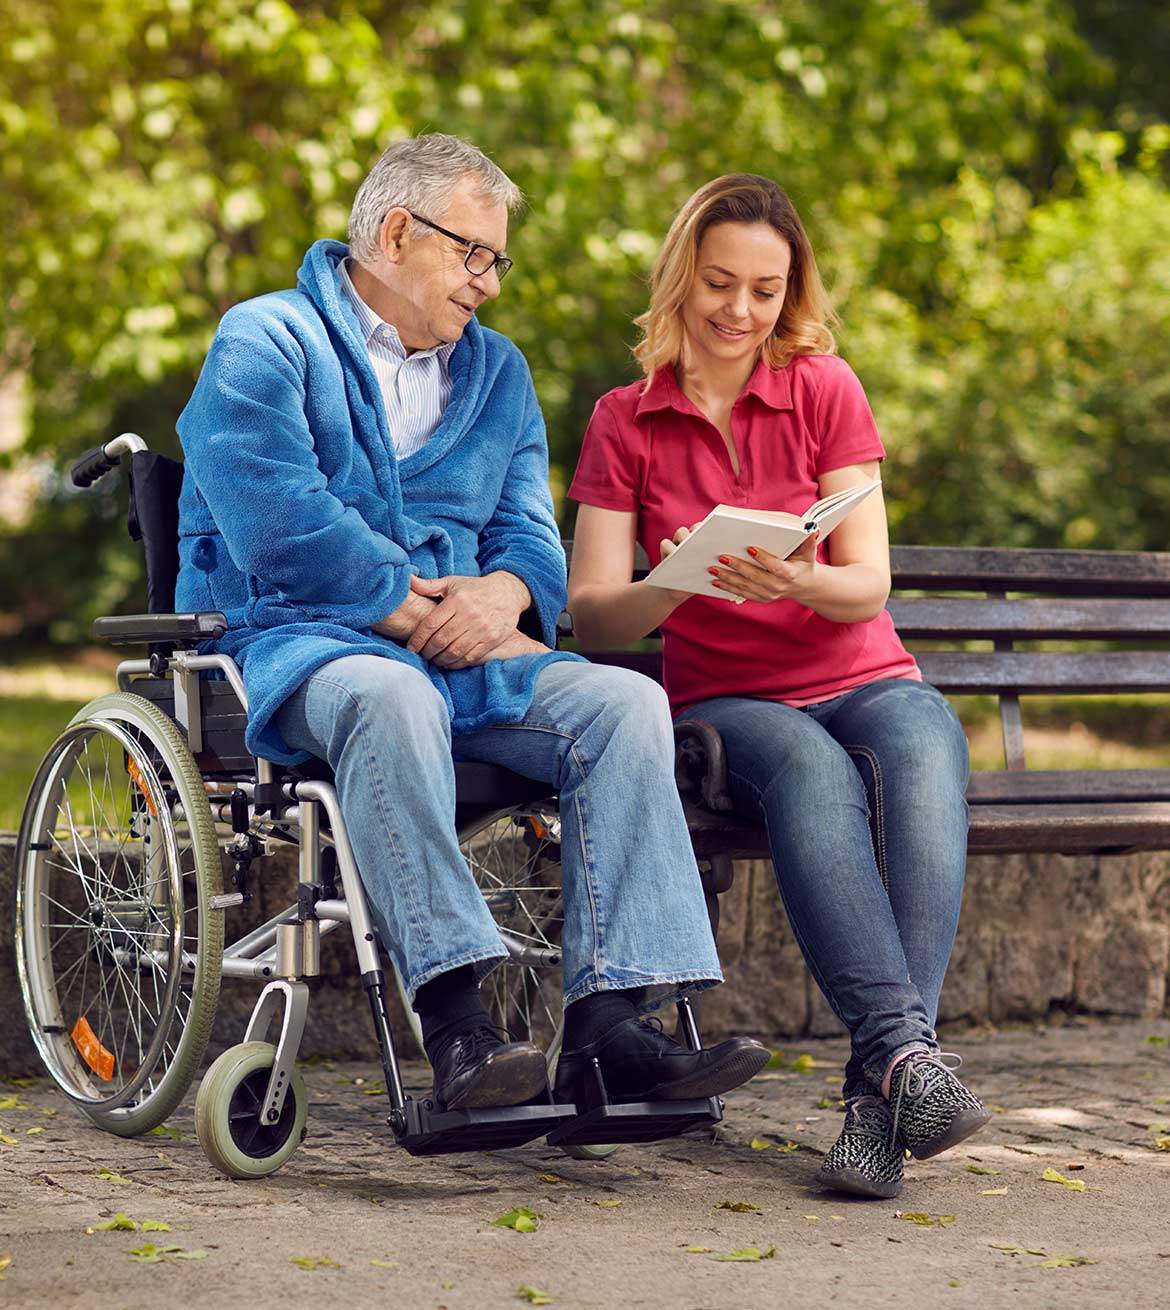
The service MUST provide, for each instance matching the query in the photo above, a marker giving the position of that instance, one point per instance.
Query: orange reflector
(140, 782)
(537, 827)
(92, 1051)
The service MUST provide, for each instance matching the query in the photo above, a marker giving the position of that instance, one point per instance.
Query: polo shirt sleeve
(606, 474)
(845, 422)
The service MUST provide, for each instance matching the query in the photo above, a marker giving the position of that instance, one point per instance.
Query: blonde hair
(803, 325)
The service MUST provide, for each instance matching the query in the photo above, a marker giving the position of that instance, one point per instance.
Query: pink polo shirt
(655, 454)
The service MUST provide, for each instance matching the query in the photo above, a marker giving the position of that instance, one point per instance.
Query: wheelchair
(121, 903)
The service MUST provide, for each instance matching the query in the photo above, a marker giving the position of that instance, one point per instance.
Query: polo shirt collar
(770, 386)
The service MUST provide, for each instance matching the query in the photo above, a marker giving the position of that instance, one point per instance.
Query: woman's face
(741, 274)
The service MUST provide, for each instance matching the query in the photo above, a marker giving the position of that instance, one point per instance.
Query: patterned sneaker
(864, 1160)
(932, 1110)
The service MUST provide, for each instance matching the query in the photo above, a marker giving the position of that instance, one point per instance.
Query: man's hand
(472, 618)
(516, 644)
(400, 625)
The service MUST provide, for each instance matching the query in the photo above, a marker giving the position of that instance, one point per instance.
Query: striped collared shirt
(415, 387)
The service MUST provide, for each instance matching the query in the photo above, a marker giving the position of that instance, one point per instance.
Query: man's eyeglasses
(480, 259)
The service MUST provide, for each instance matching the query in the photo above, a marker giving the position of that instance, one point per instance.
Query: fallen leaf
(12, 1103)
(923, 1219)
(786, 1148)
(533, 1295)
(385, 1264)
(313, 1262)
(814, 1217)
(803, 1064)
(740, 1207)
(1051, 1175)
(995, 1109)
(979, 1169)
(446, 1284)
(775, 1060)
(8, 1141)
(32, 1132)
(698, 1250)
(156, 1226)
(1149, 1041)
(830, 1103)
(150, 1254)
(746, 1255)
(165, 1130)
(376, 1090)
(109, 1176)
(1066, 1262)
(954, 1283)
(994, 1191)
(759, 1144)
(5, 1261)
(120, 1223)
(551, 1178)
(20, 1082)
(521, 1219)
(611, 1204)
(1162, 1143)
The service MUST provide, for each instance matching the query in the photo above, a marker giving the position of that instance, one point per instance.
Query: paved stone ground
(1088, 1099)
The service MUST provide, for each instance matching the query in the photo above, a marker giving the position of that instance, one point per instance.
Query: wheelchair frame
(285, 950)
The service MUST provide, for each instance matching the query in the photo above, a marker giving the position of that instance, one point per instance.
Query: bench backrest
(965, 611)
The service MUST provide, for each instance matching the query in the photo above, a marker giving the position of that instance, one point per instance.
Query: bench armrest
(147, 629)
(700, 764)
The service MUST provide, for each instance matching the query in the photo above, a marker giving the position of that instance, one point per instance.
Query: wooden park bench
(1007, 623)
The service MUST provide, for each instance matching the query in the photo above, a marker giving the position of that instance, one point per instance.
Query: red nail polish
(713, 571)
(724, 560)
(752, 551)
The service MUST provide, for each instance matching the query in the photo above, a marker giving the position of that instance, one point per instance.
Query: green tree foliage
(987, 195)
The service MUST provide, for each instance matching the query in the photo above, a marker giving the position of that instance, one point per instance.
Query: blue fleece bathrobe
(299, 523)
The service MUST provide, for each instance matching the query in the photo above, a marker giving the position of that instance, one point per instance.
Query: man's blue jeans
(635, 916)
(864, 801)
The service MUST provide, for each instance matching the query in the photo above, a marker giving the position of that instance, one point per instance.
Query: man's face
(438, 292)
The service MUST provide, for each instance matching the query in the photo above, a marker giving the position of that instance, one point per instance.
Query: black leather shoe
(640, 1063)
(479, 1068)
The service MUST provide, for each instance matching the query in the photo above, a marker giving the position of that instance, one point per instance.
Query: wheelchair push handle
(96, 463)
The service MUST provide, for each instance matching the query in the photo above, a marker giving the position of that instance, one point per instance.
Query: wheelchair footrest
(429, 1131)
(639, 1121)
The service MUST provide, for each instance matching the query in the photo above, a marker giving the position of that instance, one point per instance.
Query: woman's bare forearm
(845, 593)
(612, 614)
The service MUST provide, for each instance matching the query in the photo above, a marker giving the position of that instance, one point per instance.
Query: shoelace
(920, 1073)
(867, 1116)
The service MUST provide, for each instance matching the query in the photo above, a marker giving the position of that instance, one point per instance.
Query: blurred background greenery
(985, 183)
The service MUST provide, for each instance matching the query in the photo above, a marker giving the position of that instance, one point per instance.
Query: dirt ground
(642, 1229)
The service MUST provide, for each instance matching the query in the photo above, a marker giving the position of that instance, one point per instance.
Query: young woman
(856, 766)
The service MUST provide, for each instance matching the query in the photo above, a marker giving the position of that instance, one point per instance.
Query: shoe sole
(734, 1070)
(506, 1078)
(856, 1183)
(964, 1124)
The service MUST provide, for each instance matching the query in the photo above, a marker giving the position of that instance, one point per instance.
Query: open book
(729, 530)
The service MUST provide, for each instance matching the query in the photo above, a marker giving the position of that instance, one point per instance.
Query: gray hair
(419, 174)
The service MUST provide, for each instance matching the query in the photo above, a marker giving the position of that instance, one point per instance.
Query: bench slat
(1068, 786)
(956, 619)
(1057, 572)
(992, 672)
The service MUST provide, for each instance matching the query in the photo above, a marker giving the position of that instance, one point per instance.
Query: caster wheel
(227, 1110)
(594, 1151)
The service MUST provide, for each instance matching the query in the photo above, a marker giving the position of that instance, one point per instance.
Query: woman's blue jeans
(635, 916)
(864, 801)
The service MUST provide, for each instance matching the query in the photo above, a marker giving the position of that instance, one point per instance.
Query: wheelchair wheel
(227, 1113)
(118, 949)
(515, 859)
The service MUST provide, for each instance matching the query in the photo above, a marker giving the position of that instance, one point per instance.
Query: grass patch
(28, 724)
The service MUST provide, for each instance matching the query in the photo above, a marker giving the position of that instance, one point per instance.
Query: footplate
(428, 1131)
(639, 1121)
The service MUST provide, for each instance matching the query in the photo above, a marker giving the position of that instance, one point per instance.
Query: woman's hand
(667, 546)
(767, 577)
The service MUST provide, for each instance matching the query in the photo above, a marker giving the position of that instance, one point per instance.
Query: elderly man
(366, 498)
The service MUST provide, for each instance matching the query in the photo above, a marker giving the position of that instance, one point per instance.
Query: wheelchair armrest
(700, 764)
(146, 629)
